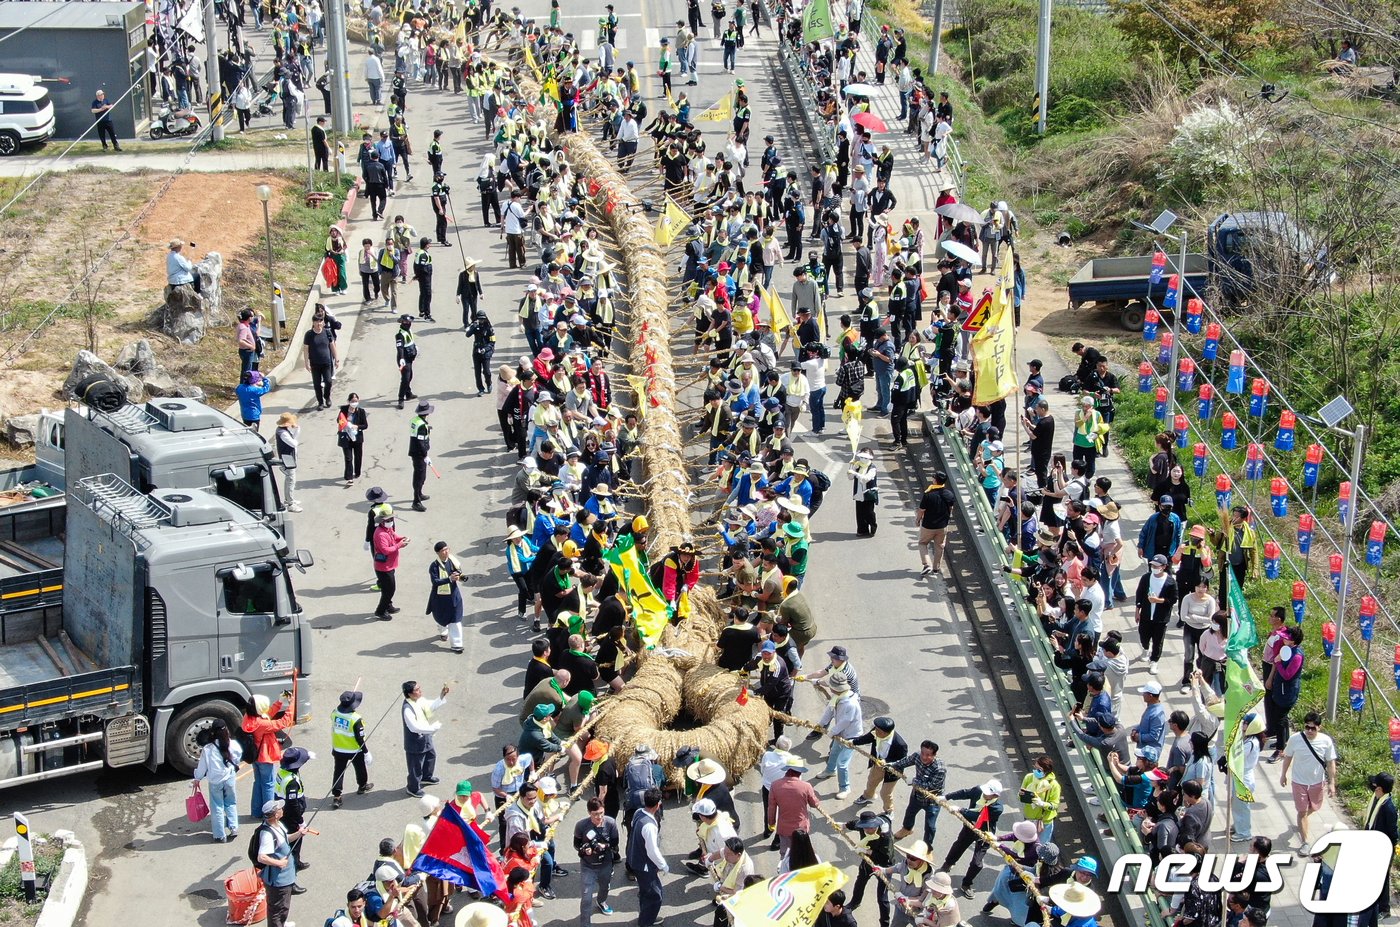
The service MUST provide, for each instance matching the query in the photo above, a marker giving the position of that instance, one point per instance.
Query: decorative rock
(85, 365)
(20, 429)
(161, 382)
(181, 316)
(137, 358)
(211, 283)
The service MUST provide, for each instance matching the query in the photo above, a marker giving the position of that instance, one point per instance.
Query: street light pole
(1042, 65)
(214, 87)
(1174, 408)
(1334, 670)
(935, 44)
(265, 194)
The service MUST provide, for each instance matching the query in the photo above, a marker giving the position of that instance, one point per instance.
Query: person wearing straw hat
(983, 810)
(841, 719)
(873, 831)
(1075, 904)
(910, 876)
(712, 781)
(481, 914)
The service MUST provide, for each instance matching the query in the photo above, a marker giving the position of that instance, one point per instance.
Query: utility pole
(214, 88)
(338, 68)
(935, 45)
(1042, 64)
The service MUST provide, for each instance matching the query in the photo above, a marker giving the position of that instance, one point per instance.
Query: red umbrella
(870, 121)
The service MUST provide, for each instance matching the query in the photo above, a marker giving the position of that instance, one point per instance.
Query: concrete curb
(68, 890)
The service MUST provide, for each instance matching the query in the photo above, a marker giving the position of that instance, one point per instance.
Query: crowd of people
(575, 500)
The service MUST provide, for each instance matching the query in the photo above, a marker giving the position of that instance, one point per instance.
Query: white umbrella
(960, 251)
(859, 90)
(961, 212)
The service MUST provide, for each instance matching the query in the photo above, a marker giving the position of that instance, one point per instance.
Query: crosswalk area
(651, 38)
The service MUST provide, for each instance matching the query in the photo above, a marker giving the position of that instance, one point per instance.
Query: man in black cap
(888, 746)
(419, 444)
(405, 353)
(1380, 815)
(348, 745)
(289, 788)
(874, 833)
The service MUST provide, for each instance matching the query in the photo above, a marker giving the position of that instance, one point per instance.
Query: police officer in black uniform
(488, 186)
(435, 152)
(423, 276)
(483, 337)
(406, 351)
(440, 192)
(418, 446)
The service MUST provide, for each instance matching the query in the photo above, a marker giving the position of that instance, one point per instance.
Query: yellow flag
(460, 33)
(721, 111)
(673, 222)
(647, 606)
(794, 899)
(993, 351)
(776, 313)
(530, 60)
(639, 386)
(851, 412)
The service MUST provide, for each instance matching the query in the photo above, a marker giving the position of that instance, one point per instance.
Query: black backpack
(1069, 383)
(253, 848)
(820, 480)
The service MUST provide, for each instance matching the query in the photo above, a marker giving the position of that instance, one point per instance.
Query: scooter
(174, 123)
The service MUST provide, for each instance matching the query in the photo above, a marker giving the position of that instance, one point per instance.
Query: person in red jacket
(680, 571)
(386, 546)
(263, 721)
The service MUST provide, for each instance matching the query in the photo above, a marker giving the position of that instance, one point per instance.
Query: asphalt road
(905, 637)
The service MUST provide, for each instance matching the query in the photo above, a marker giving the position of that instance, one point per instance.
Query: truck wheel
(181, 741)
(9, 143)
(1133, 316)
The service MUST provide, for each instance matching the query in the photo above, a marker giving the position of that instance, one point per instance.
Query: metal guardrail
(1081, 763)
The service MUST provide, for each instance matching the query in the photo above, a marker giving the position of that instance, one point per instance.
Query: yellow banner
(794, 899)
(776, 313)
(851, 413)
(722, 111)
(993, 351)
(530, 60)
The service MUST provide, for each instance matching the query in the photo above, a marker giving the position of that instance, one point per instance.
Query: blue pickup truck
(1233, 242)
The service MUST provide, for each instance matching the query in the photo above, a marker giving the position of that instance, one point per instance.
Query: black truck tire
(1133, 316)
(181, 749)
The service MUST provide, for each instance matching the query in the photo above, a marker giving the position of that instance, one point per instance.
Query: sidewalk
(916, 188)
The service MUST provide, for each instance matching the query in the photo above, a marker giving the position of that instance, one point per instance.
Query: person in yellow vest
(1040, 797)
(731, 873)
(349, 746)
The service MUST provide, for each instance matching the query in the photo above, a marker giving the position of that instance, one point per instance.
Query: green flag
(816, 21)
(1243, 691)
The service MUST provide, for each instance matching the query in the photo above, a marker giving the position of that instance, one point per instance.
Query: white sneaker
(1152, 667)
(1185, 690)
(843, 794)
(294, 507)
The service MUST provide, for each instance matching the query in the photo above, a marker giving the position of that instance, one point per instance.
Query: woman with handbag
(218, 765)
(350, 428)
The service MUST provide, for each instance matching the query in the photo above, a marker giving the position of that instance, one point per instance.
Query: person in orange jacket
(263, 721)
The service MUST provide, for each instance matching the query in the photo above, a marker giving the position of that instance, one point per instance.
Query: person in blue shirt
(798, 484)
(1151, 730)
(746, 488)
(387, 157)
(250, 391)
(178, 269)
(1161, 533)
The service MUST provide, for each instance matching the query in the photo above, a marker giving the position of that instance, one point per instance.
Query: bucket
(247, 899)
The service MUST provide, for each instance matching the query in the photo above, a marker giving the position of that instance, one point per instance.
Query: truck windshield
(257, 595)
(246, 490)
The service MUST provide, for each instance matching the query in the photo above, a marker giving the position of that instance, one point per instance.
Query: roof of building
(66, 15)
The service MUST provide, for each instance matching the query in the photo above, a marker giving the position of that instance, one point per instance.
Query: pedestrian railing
(1084, 770)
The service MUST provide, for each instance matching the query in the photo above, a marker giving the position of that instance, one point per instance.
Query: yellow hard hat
(570, 549)
(640, 523)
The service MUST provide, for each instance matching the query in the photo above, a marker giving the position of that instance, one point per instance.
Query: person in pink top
(788, 801)
(386, 545)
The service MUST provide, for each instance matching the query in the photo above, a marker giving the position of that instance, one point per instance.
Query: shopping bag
(196, 808)
(330, 272)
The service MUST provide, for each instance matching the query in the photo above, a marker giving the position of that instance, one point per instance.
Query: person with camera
(596, 839)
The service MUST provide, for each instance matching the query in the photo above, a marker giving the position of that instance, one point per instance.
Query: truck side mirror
(304, 559)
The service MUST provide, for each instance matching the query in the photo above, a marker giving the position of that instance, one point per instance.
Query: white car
(26, 112)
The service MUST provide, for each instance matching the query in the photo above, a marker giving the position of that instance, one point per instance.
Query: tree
(1208, 31)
